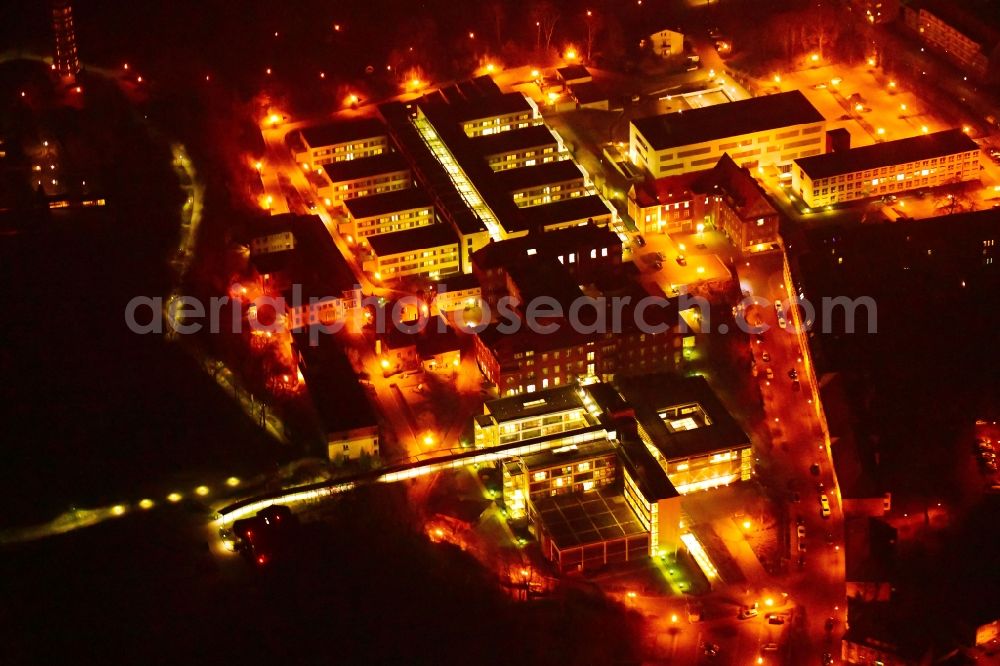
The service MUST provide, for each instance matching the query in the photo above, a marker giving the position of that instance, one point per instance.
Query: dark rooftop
(649, 394)
(563, 211)
(457, 282)
(588, 93)
(888, 153)
(471, 162)
(387, 202)
(976, 19)
(544, 277)
(738, 186)
(491, 105)
(549, 244)
(560, 398)
(724, 120)
(364, 167)
(342, 132)
(339, 399)
(573, 72)
(521, 178)
(666, 190)
(577, 519)
(411, 240)
(429, 172)
(513, 140)
(315, 262)
(647, 473)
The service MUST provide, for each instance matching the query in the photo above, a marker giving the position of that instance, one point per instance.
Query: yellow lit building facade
(891, 167)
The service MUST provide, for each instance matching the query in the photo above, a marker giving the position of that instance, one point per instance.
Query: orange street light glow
(571, 53)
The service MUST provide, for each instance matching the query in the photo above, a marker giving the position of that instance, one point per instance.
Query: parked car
(814, 469)
(793, 374)
(766, 357)
(640, 241)
(747, 612)
(800, 531)
(824, 506)
(769, 373)
(682, 260)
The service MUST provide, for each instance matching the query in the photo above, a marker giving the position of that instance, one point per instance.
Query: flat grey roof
(888, 153)
(745, 116)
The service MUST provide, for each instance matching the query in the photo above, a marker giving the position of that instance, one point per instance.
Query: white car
(801, 532)
(824, 506)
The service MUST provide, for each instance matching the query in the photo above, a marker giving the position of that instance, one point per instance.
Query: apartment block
(891, 167)
(764, 131)
(341, 141)
(543, 183)
(386, 213)
(362, 177)
(519, 148)
(428, 251)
